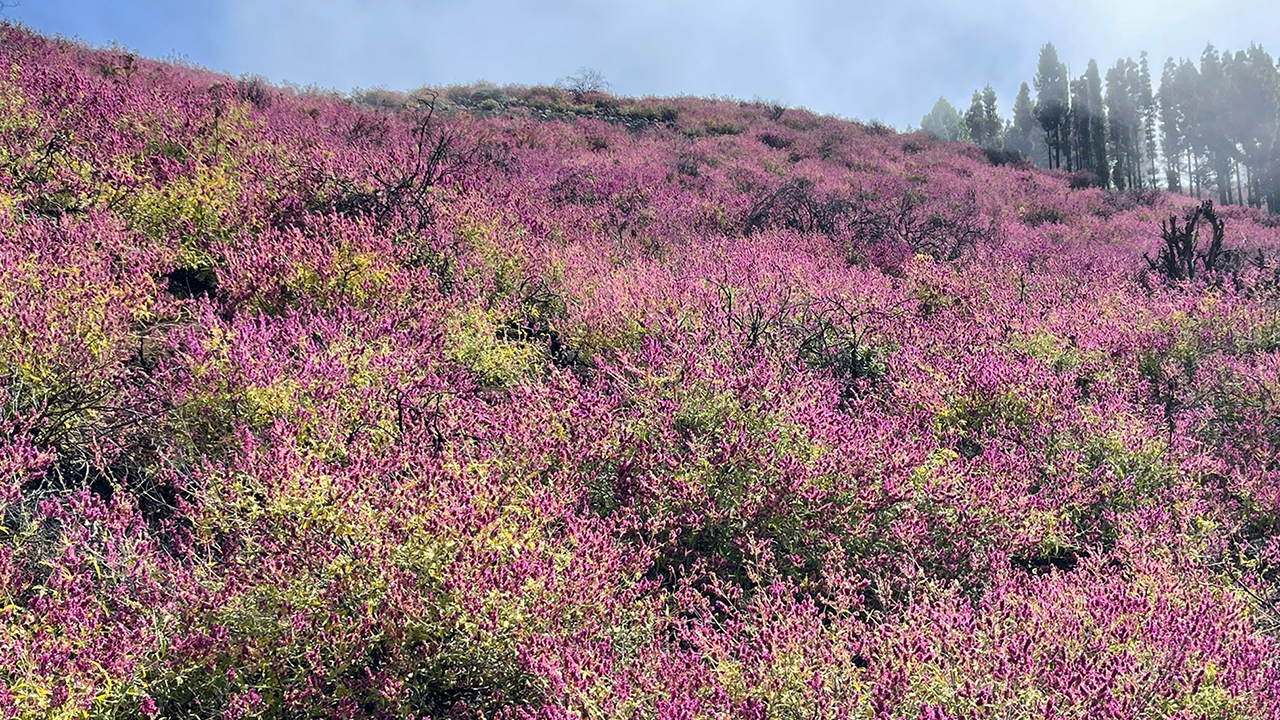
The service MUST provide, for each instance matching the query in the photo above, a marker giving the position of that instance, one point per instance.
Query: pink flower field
(566, 405)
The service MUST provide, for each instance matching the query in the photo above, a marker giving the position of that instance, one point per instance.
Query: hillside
(578, 406)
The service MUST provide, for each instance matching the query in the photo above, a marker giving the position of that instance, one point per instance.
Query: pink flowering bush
(505, 403)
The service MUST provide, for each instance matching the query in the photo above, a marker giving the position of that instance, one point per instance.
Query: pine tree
(975, 122)
(1264, 151)
(1238, 121)
(1022, 128)
(1172, 129)
(1255, 121)
(1191, 102)
(944, 122)
(1115, 137)
(1097, 125)
(1081, 137)
(1124, 123)
(1214, 126)
(1148, 115)
(1214, 103)
(991, 117)
(1052, 102)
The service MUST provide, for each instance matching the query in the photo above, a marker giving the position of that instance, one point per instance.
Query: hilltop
(545, 404)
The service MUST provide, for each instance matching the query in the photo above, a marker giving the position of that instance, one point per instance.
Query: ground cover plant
(583, 407)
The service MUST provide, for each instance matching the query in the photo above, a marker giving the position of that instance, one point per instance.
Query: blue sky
(886, 60)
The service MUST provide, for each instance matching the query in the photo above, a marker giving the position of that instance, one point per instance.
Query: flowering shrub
(543, 404)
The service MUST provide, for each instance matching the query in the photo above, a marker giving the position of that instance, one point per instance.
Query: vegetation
(543, 403)
(1211, 130)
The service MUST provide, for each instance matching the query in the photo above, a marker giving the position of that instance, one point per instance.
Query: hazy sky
(869, 60)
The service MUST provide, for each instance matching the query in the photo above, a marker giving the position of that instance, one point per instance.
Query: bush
(776, 141)
(483, 96)
(1012, 158)
(831, 339)
(597, 103)
(690, 164)
(545, 97)
(942, 228)
(193, 282)
(877, 128)
(1042, 215)
(588, 81)
(796, 206)
(728, 507)
(1182, 257)
(381, 99)
(722, 127)
(649, 114)
(405, 197)
(502, 349)
(1082, 179)
(255, 90)
(125, 68)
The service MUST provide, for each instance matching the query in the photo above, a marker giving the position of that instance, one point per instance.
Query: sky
(881, 60)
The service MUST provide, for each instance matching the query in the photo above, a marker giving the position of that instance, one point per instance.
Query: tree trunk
(1222, 175)
(1239, 191)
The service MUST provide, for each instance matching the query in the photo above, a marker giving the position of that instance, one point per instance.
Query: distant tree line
(1211, 129)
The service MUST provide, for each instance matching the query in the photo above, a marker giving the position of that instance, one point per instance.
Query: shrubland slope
(587, 407)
